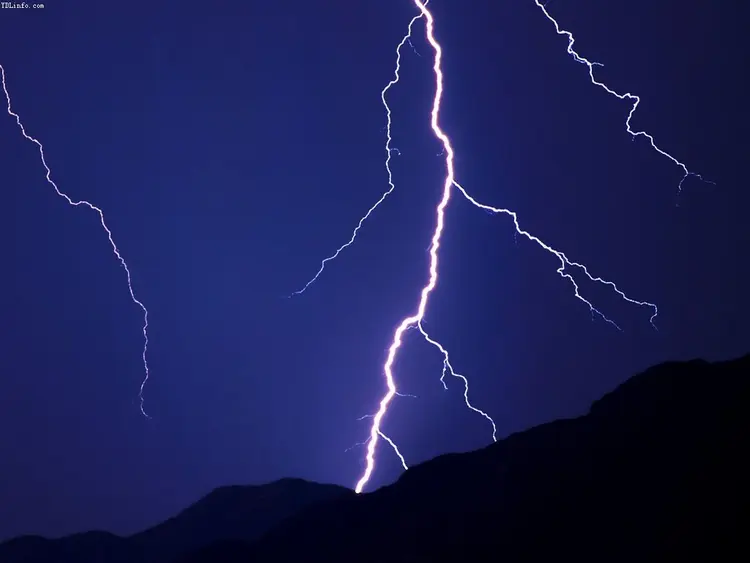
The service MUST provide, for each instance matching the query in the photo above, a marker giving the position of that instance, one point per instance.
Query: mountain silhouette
(237, 512)
(656, 471)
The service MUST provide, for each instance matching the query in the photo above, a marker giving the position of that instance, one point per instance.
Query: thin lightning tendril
(104, 226)
(448, 367)
(388, 151)
(395, 449)
(565, 261)
(626, 96)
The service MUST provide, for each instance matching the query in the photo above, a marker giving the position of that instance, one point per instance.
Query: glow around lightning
(626, 96)
(104, 226)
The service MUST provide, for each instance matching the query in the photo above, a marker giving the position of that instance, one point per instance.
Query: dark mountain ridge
(227, 513)
(656, 471)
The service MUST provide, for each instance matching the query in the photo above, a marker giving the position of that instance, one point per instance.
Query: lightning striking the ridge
(626, 96)
(566, 269)
(104, 226)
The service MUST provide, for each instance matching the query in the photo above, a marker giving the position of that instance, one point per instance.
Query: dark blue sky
(234, 147)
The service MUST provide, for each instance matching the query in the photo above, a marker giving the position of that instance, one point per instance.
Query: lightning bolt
(416, 318)
(566, 268)
(104, 226)
(626, 96)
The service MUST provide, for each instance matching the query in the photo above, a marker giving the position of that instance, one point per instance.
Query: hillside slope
(238, 512)
(656, 471)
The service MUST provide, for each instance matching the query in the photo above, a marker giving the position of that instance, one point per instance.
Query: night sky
(233, 146)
